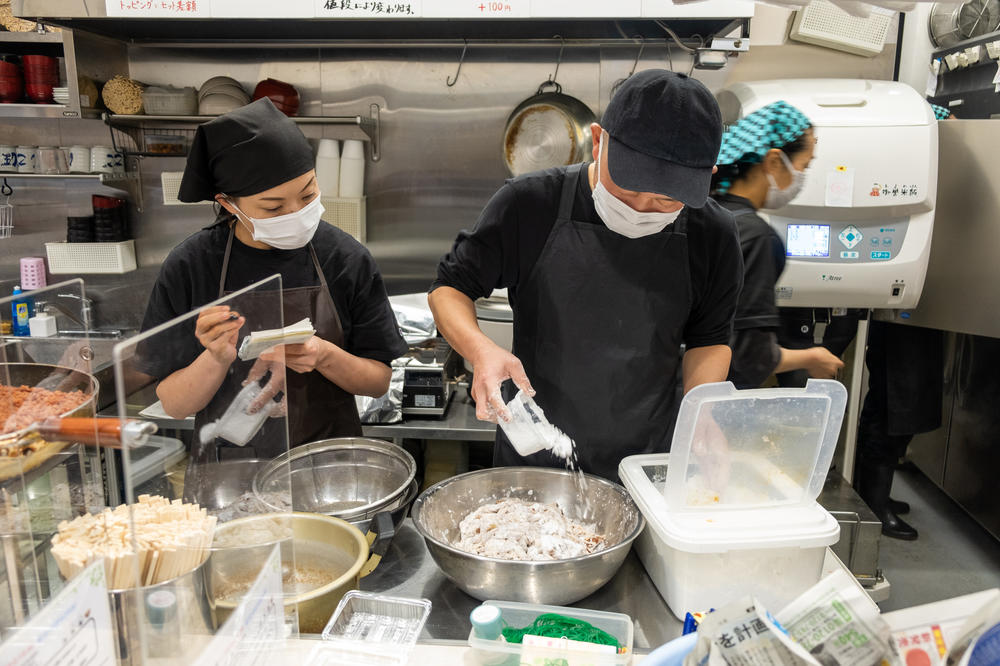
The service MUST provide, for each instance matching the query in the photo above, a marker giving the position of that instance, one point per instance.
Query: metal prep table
(458, 424)
(408, 570)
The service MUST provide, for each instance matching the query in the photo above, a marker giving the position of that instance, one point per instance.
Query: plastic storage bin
(91, 258)
(703, 560)
(165, 101)
(734, 512)
(495, 652)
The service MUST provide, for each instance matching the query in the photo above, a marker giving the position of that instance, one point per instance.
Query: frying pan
(547, 130)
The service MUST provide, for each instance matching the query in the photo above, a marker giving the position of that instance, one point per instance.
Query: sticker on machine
(783, 293)
(840, 187)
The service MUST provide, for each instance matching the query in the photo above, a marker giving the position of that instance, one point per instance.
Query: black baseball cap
(666, 130)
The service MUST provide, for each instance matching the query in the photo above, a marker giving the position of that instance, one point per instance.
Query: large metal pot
(547, 130)
(318, 542)
(349, 477)
(438, 511)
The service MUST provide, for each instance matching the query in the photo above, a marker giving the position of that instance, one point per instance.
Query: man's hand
(493, 366)
(711, 449)
(302, 358)
(822, 364)
(218, 331)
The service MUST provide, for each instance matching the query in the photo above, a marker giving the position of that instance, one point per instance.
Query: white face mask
(622, 218)
(779, 198)
(287, 232)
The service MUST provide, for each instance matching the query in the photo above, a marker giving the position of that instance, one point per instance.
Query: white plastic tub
(703, 560)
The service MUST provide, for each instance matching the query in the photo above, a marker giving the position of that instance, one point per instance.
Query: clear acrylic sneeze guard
(171, 610)
(44, 479)
(753, 449)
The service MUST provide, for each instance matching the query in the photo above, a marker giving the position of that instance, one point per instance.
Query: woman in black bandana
(256, 164)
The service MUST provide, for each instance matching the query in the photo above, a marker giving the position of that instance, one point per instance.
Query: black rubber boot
(874, 483)
(898, 507)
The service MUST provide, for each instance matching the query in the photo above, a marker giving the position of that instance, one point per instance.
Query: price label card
(74, 628)
(585, 9)
(402, 9)
(476, 9)
(158, 8)
(255, 633)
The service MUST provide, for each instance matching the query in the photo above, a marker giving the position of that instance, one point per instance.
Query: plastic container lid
(753, 449)
(645, 476)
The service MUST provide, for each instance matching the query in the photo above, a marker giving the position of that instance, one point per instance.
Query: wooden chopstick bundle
(170, 539)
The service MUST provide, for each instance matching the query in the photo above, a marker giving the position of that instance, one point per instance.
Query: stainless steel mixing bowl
(439, 510)
(350, 477)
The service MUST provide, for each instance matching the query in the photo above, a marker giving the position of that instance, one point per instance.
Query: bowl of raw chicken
(529, 534)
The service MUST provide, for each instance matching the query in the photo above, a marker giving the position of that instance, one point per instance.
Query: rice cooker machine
(859, 233)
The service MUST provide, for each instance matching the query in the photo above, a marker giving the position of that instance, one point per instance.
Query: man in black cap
(611, 267)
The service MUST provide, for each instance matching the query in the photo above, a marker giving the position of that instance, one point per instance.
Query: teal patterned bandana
(773, 126)
(940, 112)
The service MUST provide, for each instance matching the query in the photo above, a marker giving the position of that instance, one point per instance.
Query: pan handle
(549, 84)
(109, 431)
(380, 534)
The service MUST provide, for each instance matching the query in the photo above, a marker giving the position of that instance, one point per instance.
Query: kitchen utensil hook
(449, 81)
(6, 190)
(642, 45)
(562, 46)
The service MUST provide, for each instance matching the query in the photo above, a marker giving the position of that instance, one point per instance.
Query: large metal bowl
(53, 378)
(351, 477)
(439, 510)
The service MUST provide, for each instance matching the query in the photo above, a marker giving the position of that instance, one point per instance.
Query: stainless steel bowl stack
(606, 505)
(351, 478)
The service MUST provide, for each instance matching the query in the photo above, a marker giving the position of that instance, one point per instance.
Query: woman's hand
(303, 358)
(218, 331)
(823, 364)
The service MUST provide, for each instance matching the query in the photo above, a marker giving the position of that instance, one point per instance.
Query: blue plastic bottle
(20, 311)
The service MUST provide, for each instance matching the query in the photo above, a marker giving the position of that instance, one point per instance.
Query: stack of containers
(732, 509)
(41, 75)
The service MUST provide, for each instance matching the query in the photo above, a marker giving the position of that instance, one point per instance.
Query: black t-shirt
(189, 278)
(513, 228)
(755, 348)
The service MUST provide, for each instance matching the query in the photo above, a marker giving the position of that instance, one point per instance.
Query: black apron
(317, 408)
(598, 326)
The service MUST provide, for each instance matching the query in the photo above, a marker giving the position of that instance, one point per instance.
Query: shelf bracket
(130, 181)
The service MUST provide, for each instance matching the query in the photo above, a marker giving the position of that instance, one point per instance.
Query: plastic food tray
(374, 628)
(521, 615)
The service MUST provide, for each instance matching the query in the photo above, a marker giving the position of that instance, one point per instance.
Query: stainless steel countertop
(459, 423)
(409, 571)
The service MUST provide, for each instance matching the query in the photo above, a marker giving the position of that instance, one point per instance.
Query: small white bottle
(352, 170)
(328, 167)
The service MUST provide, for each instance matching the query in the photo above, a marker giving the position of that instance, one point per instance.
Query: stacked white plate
(221, 94)
(60, 95)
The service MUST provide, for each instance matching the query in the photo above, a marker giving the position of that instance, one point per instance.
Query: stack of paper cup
(352, 170)
(328, 167)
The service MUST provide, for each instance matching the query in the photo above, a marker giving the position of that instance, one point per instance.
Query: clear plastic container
(530, 432)
(753, 449)
(514, 614)
(376, 629)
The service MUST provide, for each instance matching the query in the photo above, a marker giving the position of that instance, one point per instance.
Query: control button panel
(850, 237)
(881, 255)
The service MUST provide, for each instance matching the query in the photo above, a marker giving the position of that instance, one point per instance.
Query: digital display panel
(808, 240)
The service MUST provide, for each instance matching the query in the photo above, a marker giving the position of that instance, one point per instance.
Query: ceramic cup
(102, 159)
(8, 158)
(79, 159)
(27, 159)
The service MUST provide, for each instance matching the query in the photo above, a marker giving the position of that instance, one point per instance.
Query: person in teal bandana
(762, 164)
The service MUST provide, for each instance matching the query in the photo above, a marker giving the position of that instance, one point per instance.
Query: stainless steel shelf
(53, 176)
